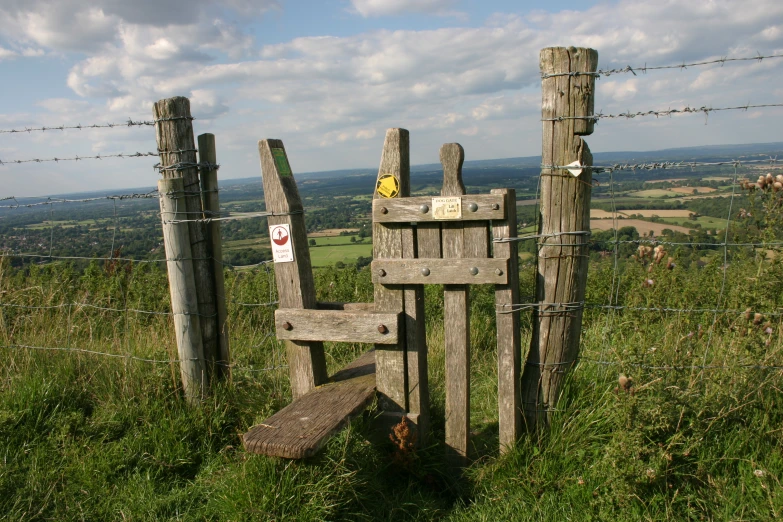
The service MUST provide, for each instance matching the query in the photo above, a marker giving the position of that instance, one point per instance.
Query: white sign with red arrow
(282, 249)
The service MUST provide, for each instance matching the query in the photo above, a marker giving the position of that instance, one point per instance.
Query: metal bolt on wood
(288, 326)
(424, 209)
(382, 329)
(475, 271)
(473, 207)
(425, 271)
(382, 272)
(384, 210)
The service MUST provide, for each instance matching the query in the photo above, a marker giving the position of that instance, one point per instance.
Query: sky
(328, 77)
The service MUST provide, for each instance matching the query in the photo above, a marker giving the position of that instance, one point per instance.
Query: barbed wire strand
(80, 158)
(645, 68)
(595, 118)
(129, 123)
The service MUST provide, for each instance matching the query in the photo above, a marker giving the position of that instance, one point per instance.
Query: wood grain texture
(409, 210)
(455, 271)
(182, 285)
(456, 316)
(356, 307)
(390, 360)
(302, 428)
(508, 334)
(565, 207)
(176, 146)
(295, 286)
(417, 384)
(336, 326)
(211, 203)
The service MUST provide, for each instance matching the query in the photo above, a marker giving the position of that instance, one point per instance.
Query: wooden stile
(337, 326)
(456, 319)
(211, 203)
(393, 181)
(177, 149)
(295, 286)
(452, 271)
(564, 227)
(476, 207)
(182, 285)
(508, 334)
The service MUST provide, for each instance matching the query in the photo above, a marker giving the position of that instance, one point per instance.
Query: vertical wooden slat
(295, 285)
(177, 149)
(390, 360)
(565, 208)
(508, 334)
(182, 285)
(456, 318)
(211, 203)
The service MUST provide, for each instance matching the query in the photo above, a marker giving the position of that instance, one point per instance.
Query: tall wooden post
(182, 284)
(456, 318)
(564, 228)
(508, 334)
(211, 203)
(295, 285)
(393, 182)
(177, 149)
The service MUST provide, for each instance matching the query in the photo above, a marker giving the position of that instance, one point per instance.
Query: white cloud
(6, 53)
(373, 8)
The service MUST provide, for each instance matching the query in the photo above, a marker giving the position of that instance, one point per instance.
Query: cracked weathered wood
(419, 209)
(339, 326)
(211, 203)
(182, 285)
(303, 427)
(177, 149)
(565, 207)
(508, 334)
(390, 364)
(454, 271)
(456, 318)
(295, 286)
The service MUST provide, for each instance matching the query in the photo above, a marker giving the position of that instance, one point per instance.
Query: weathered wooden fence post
(211, 203)
(177, 149)
(182, 285)
(456, 317)
(567, 104)
(507, 320)
(295, 285)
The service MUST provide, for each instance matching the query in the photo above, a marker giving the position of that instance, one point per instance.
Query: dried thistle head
(758, 318)
(748, 312)
(625, 382)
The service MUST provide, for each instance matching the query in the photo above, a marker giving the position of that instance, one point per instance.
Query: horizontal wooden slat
(353, 307)
(408, 210)
(302, 428)
(441, 271)
(336, 326)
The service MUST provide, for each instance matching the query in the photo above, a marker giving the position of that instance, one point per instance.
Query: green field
(330, 250)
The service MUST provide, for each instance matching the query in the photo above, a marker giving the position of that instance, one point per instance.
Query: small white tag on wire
(575, 171)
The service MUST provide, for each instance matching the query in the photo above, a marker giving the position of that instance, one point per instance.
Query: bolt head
(424, 209)
(384, 210)
(498, 271)
(382, 329)
(474, 271)
(382, 272)
(495, 206)
(288, 326)
(473, 207)
(425, 271)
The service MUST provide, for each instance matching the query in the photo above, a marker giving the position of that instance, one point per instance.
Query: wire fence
(112, 315)
(612, 308)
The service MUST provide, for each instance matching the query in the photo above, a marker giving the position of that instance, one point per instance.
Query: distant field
(704, 221)
(643, 227)
(672, 180)
(653, 193)
(596, 213)
(716, 178)
(331, 232)
(346, 252)
(689, 190)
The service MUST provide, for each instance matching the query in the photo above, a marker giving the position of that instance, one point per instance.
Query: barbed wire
(129, 123)
(80, 158)
(663, 165)
(657, 113)
(645, 68)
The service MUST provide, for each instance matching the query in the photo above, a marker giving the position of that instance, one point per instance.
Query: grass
(85, 437)
(330, 250)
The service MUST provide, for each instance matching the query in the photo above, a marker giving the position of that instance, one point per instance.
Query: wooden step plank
(302, 428)
(342, 326)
